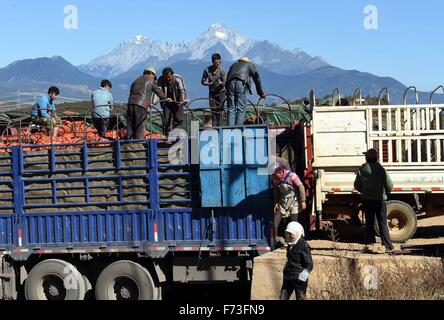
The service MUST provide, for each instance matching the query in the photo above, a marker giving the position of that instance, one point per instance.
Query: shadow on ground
(239, 292)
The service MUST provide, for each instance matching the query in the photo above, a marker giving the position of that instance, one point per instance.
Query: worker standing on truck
(214, 77)
(237, 86)
(374, 183)
(289, 198)
(173, 87)
(140, 98)
(102, 101)
(299, 263)
(44, 112)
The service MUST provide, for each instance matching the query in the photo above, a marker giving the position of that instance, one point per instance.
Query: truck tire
(125, 280)
(401, 221)
(54, 279)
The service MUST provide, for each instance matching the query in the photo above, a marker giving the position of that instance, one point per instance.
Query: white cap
(152, 70)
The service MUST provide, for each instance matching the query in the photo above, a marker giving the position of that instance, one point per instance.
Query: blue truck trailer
(120, 220)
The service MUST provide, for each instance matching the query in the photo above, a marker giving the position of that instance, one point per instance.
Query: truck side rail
(407, 135)
(404, 135)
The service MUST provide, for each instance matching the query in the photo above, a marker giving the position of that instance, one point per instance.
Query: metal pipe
(357, 91)
(434, 91)
(312, 98)
(387, 94)
(407, 91)
(336, 91)
(283, 99)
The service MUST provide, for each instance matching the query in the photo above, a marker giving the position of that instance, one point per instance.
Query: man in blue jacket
(44, 111)
(102, 101)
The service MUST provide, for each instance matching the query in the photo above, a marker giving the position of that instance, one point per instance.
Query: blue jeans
(236, 102)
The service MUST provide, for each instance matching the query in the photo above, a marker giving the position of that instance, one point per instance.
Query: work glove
(217, 85)
(184, 103)
(303, 276)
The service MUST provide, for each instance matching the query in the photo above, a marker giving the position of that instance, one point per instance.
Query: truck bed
(116, 196)
(409, 139)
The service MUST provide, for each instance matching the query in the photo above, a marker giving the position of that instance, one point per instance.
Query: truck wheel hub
(126, 289)
(53, 291)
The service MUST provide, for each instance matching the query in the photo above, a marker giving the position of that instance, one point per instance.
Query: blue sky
(408, 44)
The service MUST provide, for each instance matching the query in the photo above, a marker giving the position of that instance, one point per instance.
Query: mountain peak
(220, 32)
(58, 59)
(139, 39)
(218, 28)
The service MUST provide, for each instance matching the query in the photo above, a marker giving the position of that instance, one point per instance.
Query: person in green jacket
(374, 183)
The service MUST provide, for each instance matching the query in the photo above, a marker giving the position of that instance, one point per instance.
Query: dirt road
(428, 239)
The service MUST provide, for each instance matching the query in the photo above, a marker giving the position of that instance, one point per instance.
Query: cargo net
(70, 132)
(97, 176)
(86, 178)
(6, 184)
(178, 184)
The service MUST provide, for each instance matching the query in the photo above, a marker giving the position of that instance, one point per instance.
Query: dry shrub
(399, 281)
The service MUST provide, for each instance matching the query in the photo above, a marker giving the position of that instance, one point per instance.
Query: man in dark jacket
(173, 87)
(141, 97)
(238, 84)
(299, 263)
(214, 77)
(374, 183)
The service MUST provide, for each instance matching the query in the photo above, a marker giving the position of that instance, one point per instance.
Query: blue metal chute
(233, 168)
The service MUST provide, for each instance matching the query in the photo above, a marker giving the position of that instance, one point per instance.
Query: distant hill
(324, 80)
(38, 74)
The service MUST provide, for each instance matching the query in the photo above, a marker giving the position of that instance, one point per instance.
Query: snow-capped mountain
(234, 42)
(36, 75)
(218, 38)
(128, 54)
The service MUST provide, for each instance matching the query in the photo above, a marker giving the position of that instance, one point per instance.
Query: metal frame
(415, 124)
(335, 93)
(434, 91)
(357, 93)
(407, 91)
(276, 96)
(387, 95)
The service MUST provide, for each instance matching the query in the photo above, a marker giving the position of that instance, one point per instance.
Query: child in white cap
(299, 263)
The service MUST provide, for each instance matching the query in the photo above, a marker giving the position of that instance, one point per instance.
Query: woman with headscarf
(289, 198)
(299, 263)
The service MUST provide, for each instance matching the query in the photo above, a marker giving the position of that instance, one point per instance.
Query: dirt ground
(428, 239)
(425, 250)
(429, 231)
(343, 274)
